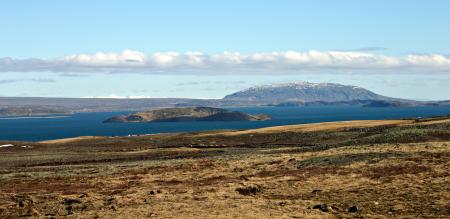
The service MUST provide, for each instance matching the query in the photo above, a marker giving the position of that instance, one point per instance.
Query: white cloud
(127, 57)
(289, 62)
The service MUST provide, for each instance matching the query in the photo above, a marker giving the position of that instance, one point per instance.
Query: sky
(208, 49)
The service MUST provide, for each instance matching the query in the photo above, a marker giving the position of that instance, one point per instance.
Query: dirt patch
(347, 159)
(394, 170)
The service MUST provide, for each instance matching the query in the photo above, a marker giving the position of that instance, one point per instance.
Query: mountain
(187, 114)
(304, 92)
(363, 103)
(291, 94)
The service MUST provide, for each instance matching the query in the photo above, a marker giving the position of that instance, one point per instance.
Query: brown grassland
(355, 169)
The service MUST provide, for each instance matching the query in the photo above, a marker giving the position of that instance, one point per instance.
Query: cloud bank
(286, 62)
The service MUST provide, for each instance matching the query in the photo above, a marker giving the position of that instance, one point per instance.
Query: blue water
(90, 124)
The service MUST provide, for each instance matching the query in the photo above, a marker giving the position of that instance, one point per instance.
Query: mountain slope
(304, 92)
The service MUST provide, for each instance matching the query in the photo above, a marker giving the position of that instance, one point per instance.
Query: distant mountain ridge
(304, 92)
(33, 111)
(282, 95)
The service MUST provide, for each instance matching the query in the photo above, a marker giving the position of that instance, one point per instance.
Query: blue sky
(408, 33)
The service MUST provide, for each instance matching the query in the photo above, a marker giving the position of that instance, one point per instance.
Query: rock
(353, 209)
(292, 160)
(69, 209)
(316, 191)
(333, 208)
(249, 190)
(84, 195)
(321, 207)
(282, 203)
(70, 201)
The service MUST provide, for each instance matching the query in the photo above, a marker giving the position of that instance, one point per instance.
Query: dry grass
(69, 140)
(324, 126)
(393, 180)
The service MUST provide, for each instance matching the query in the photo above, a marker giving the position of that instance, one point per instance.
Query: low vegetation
(368, 169)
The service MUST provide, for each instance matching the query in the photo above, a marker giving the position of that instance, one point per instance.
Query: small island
(187, 114)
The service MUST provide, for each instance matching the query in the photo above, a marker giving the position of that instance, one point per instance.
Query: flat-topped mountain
(187, 114)
(304, 92)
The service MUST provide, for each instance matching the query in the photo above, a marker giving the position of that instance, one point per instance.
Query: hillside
(353, 169)
(187, 114)
(304, 92)
(32, 110)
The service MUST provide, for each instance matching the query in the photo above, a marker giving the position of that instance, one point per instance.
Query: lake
(90, 124)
